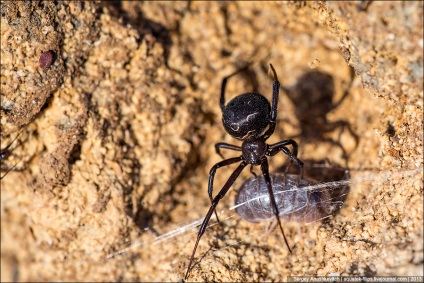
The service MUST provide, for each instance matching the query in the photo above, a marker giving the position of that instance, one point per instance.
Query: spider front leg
(273, 149)
(274, 107)
(3, 154)
(265, 172)
(220, 145)
(215, 202)
(224, 84)
(4, 151)
(212, 175)
(10, 169)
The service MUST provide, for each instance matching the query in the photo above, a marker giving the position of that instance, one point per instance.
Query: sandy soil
(116, 136)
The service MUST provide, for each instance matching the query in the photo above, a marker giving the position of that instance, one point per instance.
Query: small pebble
(46, 59)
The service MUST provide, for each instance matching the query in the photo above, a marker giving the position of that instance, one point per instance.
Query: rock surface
(117, 133)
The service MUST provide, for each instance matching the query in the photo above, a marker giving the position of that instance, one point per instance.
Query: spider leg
(10, 169)
(273, 149)
(220, 145)
(265, 172)
(274, 107)
(215, 202)
(286, 151)
(3, 152)
(224, 84)
(212, 172)
(253, 172)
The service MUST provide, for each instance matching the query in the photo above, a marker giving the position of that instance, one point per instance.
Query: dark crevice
(390, 130)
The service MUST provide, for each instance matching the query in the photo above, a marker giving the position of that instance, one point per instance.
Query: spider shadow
(313, 96)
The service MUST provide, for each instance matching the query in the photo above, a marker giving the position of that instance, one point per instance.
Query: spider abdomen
(246, 116)
(295, 201)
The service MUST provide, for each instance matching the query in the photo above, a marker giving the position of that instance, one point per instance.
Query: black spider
(245, 118)
(3, 155)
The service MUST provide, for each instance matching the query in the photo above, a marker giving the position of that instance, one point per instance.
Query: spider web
(192, 227)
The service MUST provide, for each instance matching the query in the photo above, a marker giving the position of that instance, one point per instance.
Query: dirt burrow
(116, 136)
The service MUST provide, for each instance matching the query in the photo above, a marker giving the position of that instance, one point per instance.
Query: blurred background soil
(116, 136)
